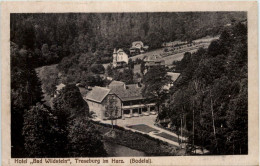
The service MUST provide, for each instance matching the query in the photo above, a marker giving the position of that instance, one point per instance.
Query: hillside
(210, 98)
(53, 36)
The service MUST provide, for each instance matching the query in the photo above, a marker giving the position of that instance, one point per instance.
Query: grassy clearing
(150, 53)
(41, 71)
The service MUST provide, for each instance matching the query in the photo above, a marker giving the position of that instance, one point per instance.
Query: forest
(40, 131)
(54, 36)
(210, 100)
(78, 40)
(211, 94)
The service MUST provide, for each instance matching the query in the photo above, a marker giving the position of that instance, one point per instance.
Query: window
(126, 111)
(106, 114)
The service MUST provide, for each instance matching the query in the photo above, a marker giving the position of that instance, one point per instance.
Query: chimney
(114, 51)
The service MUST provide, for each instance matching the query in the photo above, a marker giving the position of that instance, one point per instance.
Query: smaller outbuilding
(174, 77)
(138, 47)
(153, 60)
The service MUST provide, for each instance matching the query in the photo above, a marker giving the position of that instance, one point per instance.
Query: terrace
(145, 125)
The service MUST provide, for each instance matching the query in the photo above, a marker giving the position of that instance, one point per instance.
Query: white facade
(119, 57)
(138, 44)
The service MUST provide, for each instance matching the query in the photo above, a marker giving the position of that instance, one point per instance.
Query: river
(115, 150)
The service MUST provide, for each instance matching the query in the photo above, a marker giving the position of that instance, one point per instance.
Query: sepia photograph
(89, 85)
(129, 84)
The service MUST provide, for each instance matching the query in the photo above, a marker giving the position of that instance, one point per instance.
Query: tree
(127, 76)
(111, 109)
(49, 79)
(93, 80)
(212, 93)
(154, 80)
(78, 136)
(181, 65)
(142, 67)
(25, 92)
(39, 132)
(237, 122)
(69, 102)
(45, 49)
(97, 68)
(109, 70)
(24, 35)
(67, 106)
(85, 140)
(155, 40)
(131, 64)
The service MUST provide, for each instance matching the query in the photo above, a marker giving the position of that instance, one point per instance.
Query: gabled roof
(129, 92)
(124, 92)
(97, 94)
(134, 48)
(120, 50)
(174, 76)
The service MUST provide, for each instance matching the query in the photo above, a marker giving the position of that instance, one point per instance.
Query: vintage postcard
(129, 83)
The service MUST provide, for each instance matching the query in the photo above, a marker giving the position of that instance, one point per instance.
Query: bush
(97, 69)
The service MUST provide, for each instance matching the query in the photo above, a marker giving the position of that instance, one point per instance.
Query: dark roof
(134, 48)
(124, 92)
(97, 94)
(127, 93)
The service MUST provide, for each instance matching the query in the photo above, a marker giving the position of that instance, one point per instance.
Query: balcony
(137, 106)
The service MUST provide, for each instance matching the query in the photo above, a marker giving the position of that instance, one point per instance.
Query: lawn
(167, 136)
(41, 71)
(52, 68)
(175, 57)
(143, 128)
(149, 53)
